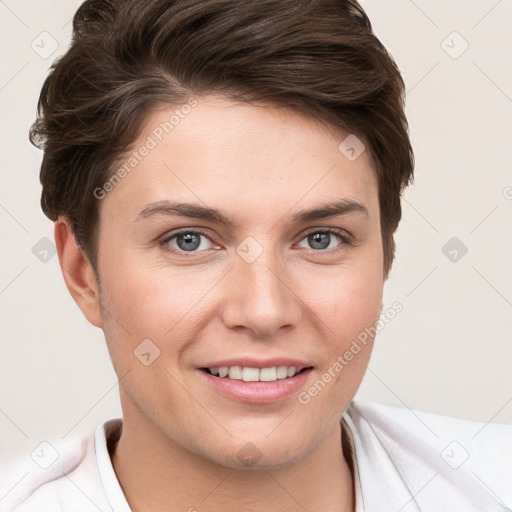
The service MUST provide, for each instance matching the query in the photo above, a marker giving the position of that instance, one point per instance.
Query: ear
(77, 272)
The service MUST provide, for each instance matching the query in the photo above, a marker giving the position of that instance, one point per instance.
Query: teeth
(282, 372)
(235, 372)
(268, 374)
(248, 374)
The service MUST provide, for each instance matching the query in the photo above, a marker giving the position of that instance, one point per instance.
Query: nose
(260, 298)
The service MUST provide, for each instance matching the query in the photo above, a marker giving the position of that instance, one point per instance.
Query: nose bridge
(260, 298)
(265, 284)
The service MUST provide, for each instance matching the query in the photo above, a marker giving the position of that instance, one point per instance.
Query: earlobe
(77, 272)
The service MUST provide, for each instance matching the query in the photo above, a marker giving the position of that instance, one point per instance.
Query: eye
(322, 240)
(187, 241)
(193, 241)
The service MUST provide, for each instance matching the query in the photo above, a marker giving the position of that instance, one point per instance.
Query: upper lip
(247, 362)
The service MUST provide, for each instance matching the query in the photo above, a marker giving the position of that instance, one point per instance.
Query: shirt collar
(106, 436)
(397, 469)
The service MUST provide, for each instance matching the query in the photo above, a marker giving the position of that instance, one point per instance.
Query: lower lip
(257, 392)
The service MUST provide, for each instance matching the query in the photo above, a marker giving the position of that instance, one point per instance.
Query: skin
(258, 165)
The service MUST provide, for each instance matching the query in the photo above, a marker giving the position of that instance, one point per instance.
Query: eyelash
(345, 241)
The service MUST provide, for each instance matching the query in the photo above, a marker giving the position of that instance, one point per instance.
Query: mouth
(258, 383)
(251, 374)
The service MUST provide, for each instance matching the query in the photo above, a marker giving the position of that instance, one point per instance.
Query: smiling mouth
(248, 374)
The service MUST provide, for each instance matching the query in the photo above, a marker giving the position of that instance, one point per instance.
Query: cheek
(349, 307)
(347, 348)
(167, 306)
(347, 301)
(148, 297)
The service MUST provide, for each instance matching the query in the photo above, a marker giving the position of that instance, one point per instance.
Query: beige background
(448, 351)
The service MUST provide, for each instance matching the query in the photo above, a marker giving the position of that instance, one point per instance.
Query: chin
(260, 455)
(264, 462)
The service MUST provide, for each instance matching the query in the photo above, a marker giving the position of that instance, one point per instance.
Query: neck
(157, 475)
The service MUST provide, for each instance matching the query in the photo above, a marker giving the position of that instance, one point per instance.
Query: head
(237, 125)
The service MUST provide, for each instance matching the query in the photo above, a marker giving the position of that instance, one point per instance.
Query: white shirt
(404, 460)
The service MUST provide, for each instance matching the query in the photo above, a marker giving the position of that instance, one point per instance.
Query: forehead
(216, 151)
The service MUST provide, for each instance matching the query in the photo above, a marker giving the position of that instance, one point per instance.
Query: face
(242, 241)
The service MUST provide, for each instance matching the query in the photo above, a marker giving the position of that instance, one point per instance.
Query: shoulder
(472, 455)
(55, 476)
(428, 424)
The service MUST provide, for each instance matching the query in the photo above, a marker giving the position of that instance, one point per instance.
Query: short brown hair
(318, 57)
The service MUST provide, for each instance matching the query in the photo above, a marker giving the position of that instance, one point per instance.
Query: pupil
(190, 241)
(320, 240)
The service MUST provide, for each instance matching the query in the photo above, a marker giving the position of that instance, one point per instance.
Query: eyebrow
(195, 211)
